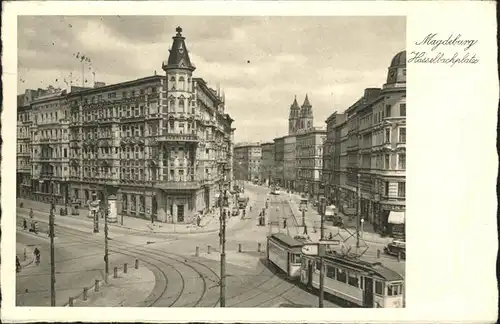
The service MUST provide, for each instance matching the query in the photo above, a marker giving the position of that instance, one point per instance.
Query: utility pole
(358, 213)
(106, 254)
(321, 269)
(222, 235)
(52, 256)
(322, 213)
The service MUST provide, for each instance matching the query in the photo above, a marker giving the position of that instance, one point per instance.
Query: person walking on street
(18, 264)
(284, 222)
(25, 224)
(36, 252)
(31, 213)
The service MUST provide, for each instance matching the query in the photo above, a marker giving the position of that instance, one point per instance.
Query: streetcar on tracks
(356, 282)
(285, 253)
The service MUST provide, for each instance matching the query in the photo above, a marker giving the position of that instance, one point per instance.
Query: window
(296, 258)
(387, 135)
(181, 105)
(394, 289)
(317, 266)
(404, 72)
(402, 109)
(386, 188)
(401, 189)
(402, 161)
(379, 287)
(388, 110)
(172, 105)
(353, 280)
(65, 152)
(341, 276)
(402, 135)
(387, 161)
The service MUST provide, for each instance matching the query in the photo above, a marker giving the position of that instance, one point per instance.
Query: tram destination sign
(310, 249)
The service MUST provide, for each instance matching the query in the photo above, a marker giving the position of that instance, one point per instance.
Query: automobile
(396, 247)
(235, 211)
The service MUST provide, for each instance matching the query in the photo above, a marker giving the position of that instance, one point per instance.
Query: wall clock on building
(392, 76)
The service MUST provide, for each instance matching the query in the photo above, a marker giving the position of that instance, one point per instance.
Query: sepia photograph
(165, 162)
(192, 161)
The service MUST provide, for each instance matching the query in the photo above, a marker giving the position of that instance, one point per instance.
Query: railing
(177, 137)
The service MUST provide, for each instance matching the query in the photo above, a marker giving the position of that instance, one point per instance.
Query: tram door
(368, 293)
(309, 273)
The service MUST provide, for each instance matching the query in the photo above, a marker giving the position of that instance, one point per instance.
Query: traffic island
(127, 286)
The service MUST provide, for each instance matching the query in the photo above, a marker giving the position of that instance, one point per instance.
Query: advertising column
(112, 209)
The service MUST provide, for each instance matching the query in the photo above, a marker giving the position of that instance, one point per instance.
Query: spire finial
(179, 31)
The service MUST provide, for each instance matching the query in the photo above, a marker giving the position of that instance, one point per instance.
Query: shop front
(393, 220)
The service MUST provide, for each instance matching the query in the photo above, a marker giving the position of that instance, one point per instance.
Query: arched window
(142, 203)
(181, 105)
(124, 202)
(181, 83)
(172, 78)
(132, 202)
(172, 105)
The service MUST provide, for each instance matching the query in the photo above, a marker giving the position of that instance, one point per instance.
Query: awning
(396, 217)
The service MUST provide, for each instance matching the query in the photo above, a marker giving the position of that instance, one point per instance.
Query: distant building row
(363, 147)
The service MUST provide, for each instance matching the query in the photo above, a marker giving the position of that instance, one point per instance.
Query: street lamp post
(52, 257)
(358, 218)
(222, 219)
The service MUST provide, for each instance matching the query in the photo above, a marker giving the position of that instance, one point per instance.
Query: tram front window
(379, 287)
(394, 289)
(296, 258)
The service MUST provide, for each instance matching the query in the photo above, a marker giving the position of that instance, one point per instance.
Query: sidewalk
(313, 221)
(209, 223)
(21, 249)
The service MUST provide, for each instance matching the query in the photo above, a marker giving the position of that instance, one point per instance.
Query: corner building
(160, 144)
(247, 161)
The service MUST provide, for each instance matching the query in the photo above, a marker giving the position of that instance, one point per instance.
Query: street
(181, 278)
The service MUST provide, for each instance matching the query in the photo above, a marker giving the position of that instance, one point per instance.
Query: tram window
(394, 290)
(317, 266)
(341, 276)
(330, 272)
(378, 288)
(296, 258)
(353, 280)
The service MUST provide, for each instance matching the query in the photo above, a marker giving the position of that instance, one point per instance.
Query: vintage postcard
(187, 161)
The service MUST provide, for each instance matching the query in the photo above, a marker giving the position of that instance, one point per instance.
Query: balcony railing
(178, 185)
(172, 137)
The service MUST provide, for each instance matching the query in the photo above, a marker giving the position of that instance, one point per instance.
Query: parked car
(396, 247)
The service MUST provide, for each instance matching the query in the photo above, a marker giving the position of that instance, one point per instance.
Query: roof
(306, 102)
(399, 59)
(179, 56)
(287, 240)
(295, 104)
(376, 268)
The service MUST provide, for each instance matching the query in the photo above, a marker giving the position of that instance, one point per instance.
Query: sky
(261, 63)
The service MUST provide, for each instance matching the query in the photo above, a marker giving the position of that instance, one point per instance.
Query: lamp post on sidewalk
(358, 218)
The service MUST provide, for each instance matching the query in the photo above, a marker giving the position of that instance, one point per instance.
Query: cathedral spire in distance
(179, 56)
(306, 102)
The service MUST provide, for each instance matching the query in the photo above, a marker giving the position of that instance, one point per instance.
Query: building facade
(368, 151)
(160, 144)
(279, 161)
(289, 162)
(309, 167)
(247, 161)
(266, 163)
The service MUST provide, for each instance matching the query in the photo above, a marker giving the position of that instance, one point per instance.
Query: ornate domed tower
(293, 117)
(179, 70)
(396, 75)
(306, 114)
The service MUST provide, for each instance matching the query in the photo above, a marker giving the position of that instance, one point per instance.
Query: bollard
(209, 249)
(70, 302)
(258, 247)
(239, 247)
(96, 285)
(378, 254)
(399, 256)
(137, 263)
(115, 272)
(197, 251)
(85, 290)
(125, 268)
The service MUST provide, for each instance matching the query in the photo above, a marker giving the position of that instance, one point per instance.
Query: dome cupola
(396, 74)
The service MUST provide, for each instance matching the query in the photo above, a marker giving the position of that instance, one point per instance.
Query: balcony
(172, 137)
(178, 185)
(47, 175)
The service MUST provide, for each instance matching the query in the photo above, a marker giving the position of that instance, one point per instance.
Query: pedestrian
(25, 224)
(198, 220)
(31, 213)
(18, 264)
(330, 236)
(36, 252)
(284, 223)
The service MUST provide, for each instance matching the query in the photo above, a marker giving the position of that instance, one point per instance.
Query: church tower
(306, 114)
(293, 118)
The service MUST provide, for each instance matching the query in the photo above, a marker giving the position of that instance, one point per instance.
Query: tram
(358, 283)
(285, 253)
